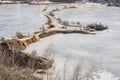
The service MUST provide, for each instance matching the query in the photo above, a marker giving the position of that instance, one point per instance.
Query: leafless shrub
(49, 52)
(19, 35)
(24, 60)
(44, 9)
(42, 29)
(14, 65)
(78, 23)
(59, 20)
(65, 7)
(66, 23)
(72, 22)
(57, 9)
(52, 14)
(19, 66)
(76, 74)
(72, 7)
(36, 32)
(32, 61)
(16, 73)
(110, 4)
(97, 27)
(2, 39)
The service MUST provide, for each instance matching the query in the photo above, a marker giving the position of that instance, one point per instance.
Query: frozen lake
(101, 50)
(21, 17)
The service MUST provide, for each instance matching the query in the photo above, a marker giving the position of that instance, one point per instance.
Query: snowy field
(101, 51)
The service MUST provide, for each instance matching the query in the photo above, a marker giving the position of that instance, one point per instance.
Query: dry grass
(16, 73)
(25, 60)
(16, 65)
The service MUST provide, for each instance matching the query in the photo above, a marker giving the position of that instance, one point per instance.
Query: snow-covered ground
(101, 51)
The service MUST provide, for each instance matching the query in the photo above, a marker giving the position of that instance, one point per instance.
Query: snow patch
(104, 75)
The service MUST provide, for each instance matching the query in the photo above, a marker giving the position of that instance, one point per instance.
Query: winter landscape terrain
(97, 55)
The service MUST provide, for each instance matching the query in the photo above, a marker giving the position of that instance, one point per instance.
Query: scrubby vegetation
(16, 65)
(52, 14)
(19, 35)
(16, 73)
(2, 39)
(97, 27)
(66, 23)
(24, 60)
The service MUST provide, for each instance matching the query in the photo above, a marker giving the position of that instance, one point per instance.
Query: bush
(19, 35)
(78, 23)
(24, 60)
(52, 14)
(2, 39)
(66, 23)
(59, 20)
(97, 27)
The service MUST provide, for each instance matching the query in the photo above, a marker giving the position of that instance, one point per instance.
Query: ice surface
(21, 17)
(104, 75)
(101, 50)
